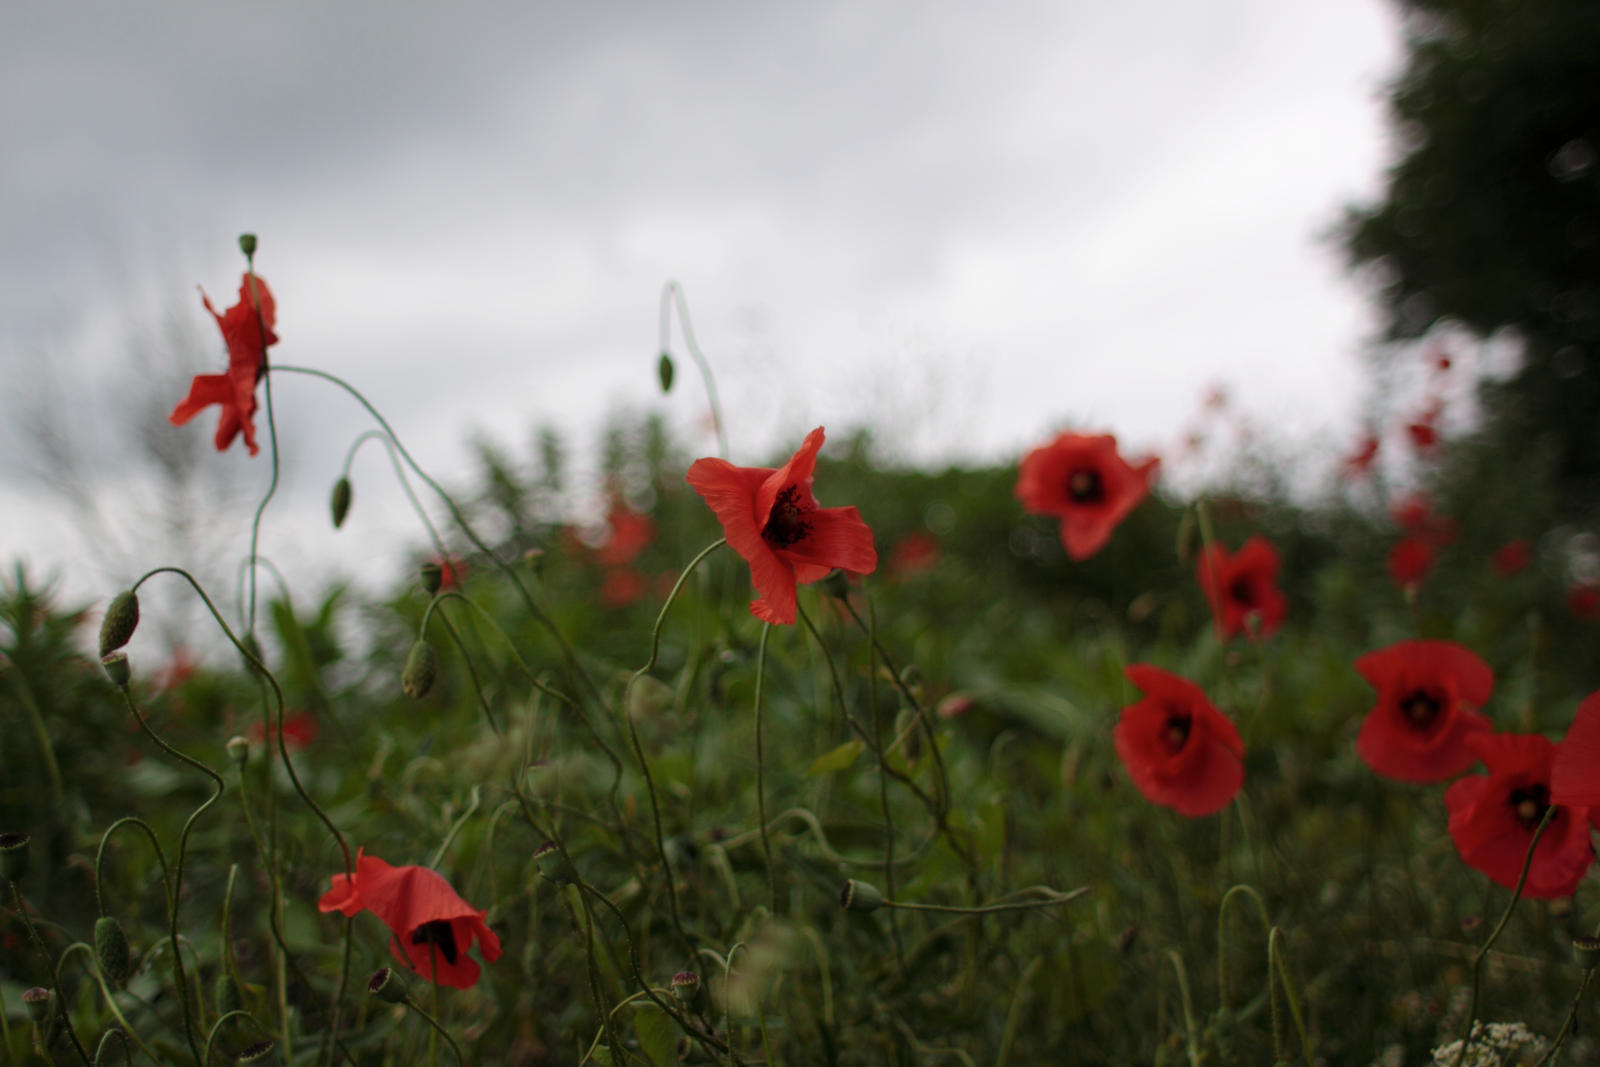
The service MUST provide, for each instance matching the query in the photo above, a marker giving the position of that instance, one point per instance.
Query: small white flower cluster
(1494, 1045)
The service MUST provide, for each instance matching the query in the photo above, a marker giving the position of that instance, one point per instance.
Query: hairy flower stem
(672, 293)
(52, 970)
(405, 483)
(272, 438)
(1505, 917)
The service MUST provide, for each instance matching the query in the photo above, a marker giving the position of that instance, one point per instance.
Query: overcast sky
(971, 225)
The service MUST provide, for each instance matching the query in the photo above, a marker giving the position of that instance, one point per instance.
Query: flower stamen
(786, 525)
(1085, 486)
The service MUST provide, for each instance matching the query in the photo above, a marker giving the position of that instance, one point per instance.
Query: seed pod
(122, 618)
(664, 372)
(386, 985)
(688, 989)
(14, 854)
(422, 667)
(860, 896)
(111, 949)
(247, 244)
(116, 668)
(339, 503)
(1586, 950)
(260, 1054)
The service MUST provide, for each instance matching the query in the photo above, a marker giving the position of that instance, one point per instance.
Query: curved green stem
(1191, 1030)
(670, 292)
(405, 483)
(53, 969)
(761, 782)
(1052, 897)
(216, 1026)
(1014, 1015)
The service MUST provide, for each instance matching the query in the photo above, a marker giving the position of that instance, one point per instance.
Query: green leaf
(658, 1038)
(836, 759)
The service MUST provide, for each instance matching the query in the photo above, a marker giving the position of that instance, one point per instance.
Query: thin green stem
(671, 292)
(405, 483)
(211, 1036)
(1192, 1031)
(761, 781)
(1052, 897)
(1014, 1015)
(272, 439)
(52, 969)
(93, 967)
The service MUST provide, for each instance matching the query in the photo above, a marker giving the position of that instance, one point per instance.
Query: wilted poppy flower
(1181, 752)
(247, 336)
(1428, 693)
(628, 533)
(1575, 777)
(771, 519)
(1493, 817)
(1242, 585)
(1083, 481)
(1511, 557)
(1584, 602)
(429, 920)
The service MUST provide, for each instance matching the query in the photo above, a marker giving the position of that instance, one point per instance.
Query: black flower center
(1422, 707)
(438, 934)
(1176, 732)
(1243, 591)
(786, 524)
(1085, 486)
(1529, 804)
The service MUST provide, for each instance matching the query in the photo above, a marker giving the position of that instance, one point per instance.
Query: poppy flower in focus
(1359, 463)
(1410, 560)
(1493, 817)
(1242, 585)
(771, 519)
(1083, 481)
(1428, 693)
(1181, 752)
(1575, 776)
(628, 533)
(299, 730)
(430, 922)
(247, 334)
(1511, 557)
(1584, 602)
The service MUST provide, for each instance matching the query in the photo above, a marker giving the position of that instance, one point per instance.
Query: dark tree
(1492, 216)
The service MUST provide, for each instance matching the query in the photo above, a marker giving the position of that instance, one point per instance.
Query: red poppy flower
(1242, 585)
(1511, 557)
(1083, 481)
(1181, 752)
(429, 920)
(1575, 777)
(1428, 693)
(1359, 464)
(452, 572)
(247, 336)
(771, 519)
(1493, 816)
(1410, 560)
(1584, 602)
(628, 534)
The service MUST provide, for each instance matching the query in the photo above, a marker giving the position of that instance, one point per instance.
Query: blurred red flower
(1511, 557)
(179, 669)
(1424, 438)
(914, 553)
(1181, 752)
(1410, 560)
(1575, 776)
(1359, 464)
(771, 519)
(299, 730)
(1242, 585)
(1584, 602)
(622, 587)
(628, 534)
(1428, 693)
(429, 920)
(247, 336)
(452, 572)
(1083, 481)
(1493, 816)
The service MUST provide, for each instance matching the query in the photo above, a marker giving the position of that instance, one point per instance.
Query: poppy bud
(225, 992)
(860, 896)
(238, 750)
(339, 503)
(836, 585)
(432, 575)
(14, 854)
(122, 618)
(116, 668)
(46, 1015)
(553, 865)
(247, 244)
(386, 985)
(688, 988)
(37, 1000)
(664, 371)
(260, 1054)
(421, 669)
(1586, 950)
(111, 949)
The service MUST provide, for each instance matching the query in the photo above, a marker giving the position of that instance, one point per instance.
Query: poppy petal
(838, 538)
(1575, 775)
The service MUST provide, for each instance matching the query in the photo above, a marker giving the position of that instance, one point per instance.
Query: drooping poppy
(247, 335)
(1242, 585)
(1180, 751)
(1428, 696)
(771, 519)
(1575, 776)
(1493, 817)
(1511, 558)
(1082, 480)
(432, 926)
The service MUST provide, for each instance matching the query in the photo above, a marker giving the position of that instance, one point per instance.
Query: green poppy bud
(339, 504)
(238, 750)
(122, 618)
(553, 865)
(14, 854)
(111, 949)
(260, 1054)
(386, 985)
(247, 244)
(432, 575)
(45, 1012)
(38, 1001)
(664, 372)
(688, 989)
(860, 896)
(422, 667)
(116, 668)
